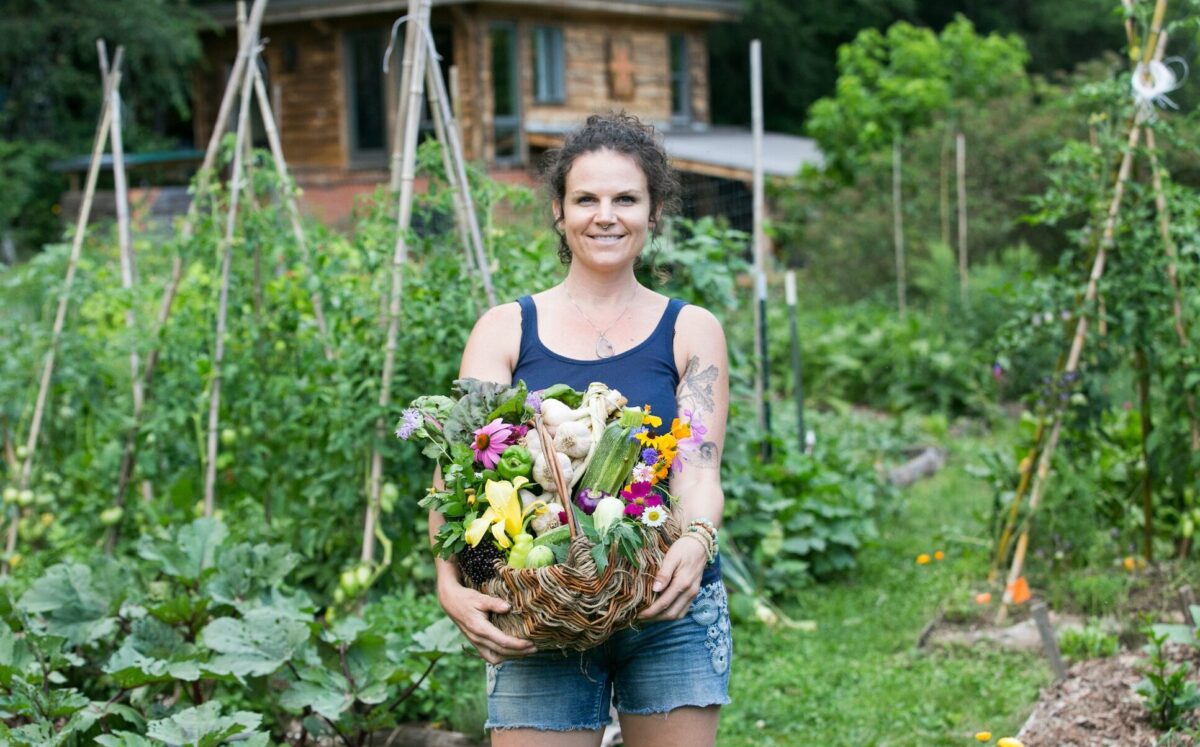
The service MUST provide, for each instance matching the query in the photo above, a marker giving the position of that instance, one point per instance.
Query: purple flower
(997, 371)
(409, 424)
(634, 509)
(633, 434)
(654, 499)
(636, 490)
(650, 455)
(533, 401)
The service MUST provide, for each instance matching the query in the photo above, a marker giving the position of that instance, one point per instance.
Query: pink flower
(490, 442)
(653, 500)
(636, 490)
(634, 509)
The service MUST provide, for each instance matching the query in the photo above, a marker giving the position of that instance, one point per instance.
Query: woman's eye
(584, 200)
(626, 200)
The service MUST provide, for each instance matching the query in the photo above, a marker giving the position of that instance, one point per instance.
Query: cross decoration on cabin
(620, 68)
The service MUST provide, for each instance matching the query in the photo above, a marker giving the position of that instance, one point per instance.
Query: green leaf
(202, 726)
(16, 657)
(154, 652)
(245, 570)
(344, 630)
(326, 692)
(190, 553)
(73, 603)
(123, 739)
(255, 645)
(442, 636)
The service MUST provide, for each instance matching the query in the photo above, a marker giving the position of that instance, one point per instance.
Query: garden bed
(1095, 705)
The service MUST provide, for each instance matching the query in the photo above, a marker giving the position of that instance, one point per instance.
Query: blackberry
(479, 562)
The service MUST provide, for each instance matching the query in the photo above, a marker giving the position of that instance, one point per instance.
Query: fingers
(469, 609)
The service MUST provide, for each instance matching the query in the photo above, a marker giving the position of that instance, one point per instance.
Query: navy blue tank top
(645, 374)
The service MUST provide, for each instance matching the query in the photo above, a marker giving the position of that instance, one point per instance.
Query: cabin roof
(287, 11)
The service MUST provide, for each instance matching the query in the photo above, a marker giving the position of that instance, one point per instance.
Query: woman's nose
(605, 212)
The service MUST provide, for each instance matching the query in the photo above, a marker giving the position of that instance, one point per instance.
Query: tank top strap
(529, 334)
(666, 328)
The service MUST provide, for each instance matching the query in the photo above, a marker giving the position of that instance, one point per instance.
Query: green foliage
(90, 634)
(1166, 691)
(890, 84)
(1089, 642)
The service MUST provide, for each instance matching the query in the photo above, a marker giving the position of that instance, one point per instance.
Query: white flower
(654, 516)
(642, 473)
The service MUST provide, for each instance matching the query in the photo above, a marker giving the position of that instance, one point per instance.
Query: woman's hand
(469, 610)
(678, 581)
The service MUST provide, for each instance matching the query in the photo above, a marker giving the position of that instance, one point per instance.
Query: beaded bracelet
(705, 532)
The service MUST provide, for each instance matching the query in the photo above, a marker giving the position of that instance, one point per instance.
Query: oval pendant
(604, 348)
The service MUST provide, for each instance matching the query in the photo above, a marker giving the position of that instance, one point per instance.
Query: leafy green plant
(1166, 691)
(1088, 642)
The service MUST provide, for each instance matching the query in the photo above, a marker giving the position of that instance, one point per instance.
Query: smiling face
(605, 211)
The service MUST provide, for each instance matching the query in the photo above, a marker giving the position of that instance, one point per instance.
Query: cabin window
(548, 65)
(506, 117)
(681, 95)
(365, 95)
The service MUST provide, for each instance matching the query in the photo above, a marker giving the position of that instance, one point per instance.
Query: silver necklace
(604, 348)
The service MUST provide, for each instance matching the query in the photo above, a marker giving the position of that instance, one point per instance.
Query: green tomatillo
(516, 461)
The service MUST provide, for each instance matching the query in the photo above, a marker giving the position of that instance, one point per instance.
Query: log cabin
(524, 72)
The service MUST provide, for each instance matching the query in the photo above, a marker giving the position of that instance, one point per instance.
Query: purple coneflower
(490, 442)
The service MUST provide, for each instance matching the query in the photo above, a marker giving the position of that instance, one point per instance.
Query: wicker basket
(569, 605)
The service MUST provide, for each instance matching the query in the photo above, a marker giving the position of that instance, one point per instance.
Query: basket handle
(559, 483)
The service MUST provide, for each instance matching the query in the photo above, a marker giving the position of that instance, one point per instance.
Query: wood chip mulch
(1095, 706)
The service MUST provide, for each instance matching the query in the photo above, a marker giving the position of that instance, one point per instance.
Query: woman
(610, 184)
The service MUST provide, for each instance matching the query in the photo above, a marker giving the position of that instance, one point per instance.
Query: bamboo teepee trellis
(111, 82)
(1044, 448)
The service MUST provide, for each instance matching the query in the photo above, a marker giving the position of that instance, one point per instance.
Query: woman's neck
(599, 289)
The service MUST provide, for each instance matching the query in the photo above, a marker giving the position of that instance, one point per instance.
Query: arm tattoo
(696, 393)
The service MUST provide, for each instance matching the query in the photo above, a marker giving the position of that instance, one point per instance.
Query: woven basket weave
(570, 605)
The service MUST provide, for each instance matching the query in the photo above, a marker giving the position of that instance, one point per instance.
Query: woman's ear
(556, 209)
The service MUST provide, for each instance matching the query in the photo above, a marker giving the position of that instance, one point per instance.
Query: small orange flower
(1129, 563)
(983, 597)
(984, 736)
(680, 430)
(923, 559)
(1019, 591)
(939, 555)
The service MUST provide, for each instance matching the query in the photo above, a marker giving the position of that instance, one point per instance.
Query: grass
(859, 679)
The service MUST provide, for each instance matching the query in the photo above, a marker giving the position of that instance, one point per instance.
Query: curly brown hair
(622, 133)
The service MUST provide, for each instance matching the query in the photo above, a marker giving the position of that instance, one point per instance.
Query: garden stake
(1049, 643)
(1164, 228)
(60, 316)
(462, 185)
(960, 142)
(399, 259)
(759, 239)
(203, 180)
(1187, 599)
(789, 285)
(235, 190)
(1143, 385)
(898, 226)
(1072, 364)
(289, 201)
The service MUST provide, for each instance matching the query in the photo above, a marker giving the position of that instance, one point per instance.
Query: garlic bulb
(544, 477)
(547, 520)
(574, 438)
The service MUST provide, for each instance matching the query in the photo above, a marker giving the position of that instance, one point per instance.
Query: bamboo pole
(1072, 364)
(60, 316)
(1143, 386)
(399, 258)
(1164, 229)
(960, 143)
(289, 198)
(402, 101)
(452, 144)
(235, 190)
(898, 226)
(128, 268)
(203, 179)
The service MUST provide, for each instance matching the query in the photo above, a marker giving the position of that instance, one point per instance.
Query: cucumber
(614, 456)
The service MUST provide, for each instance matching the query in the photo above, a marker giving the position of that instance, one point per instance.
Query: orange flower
(983, 597)
(1019, 591)
(1129, 563)
(939, 555)
(923, 559)
(680, 430)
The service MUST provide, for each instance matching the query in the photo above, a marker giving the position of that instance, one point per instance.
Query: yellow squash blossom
(504, 515)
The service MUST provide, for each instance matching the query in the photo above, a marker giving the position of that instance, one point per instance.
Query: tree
(50, 89)
(889, 84)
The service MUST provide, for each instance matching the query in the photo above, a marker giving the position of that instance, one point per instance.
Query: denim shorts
(654, 668)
